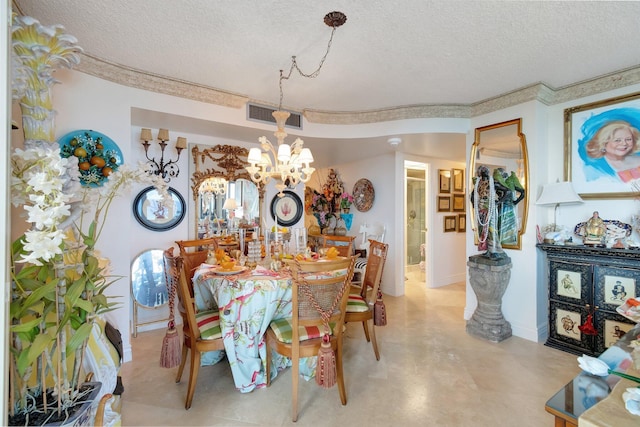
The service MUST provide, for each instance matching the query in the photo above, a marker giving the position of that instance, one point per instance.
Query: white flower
(593, 365)
(42, 245)
(631, 399)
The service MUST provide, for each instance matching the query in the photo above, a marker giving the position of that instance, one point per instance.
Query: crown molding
(132, 77)
(541, 92)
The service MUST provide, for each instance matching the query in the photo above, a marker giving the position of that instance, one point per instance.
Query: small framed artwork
(444, 180)
(458, 180)
(614, 285)
(591, 164)
(450, 222)
(286, 210)
(459, 203)
(570, 282)
(154, 213)
(612, 327)
(444, 203)
(462, 223)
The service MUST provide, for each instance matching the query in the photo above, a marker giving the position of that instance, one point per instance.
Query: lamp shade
(230, 204)
(558, 193)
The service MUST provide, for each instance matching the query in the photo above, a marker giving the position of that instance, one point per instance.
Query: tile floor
(431, 373)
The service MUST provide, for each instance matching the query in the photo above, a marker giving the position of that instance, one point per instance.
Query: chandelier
(288, 163)
(213, 186)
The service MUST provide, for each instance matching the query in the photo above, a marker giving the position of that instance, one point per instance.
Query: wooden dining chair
(360, 307)
(344, 244)
(317, 287)
(194, 253)
(201, 331)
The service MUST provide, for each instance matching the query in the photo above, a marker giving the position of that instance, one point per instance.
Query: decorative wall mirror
(226, 179)
(148, 285)
(503, 145)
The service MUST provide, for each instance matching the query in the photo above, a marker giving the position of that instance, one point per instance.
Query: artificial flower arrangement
(320, 209)
(58, 280)
(346, 200)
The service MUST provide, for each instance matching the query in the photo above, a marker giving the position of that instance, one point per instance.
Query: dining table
(248, 300)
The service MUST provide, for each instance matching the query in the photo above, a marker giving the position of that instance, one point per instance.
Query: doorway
(415, 223)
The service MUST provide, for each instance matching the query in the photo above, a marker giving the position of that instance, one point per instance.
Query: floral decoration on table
(98, 156)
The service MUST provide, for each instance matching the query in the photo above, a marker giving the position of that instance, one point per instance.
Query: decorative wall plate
(98, 156)
(363, 194)
(288, 208)
(152, 213)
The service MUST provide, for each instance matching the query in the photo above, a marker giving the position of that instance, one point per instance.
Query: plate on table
(235, 270)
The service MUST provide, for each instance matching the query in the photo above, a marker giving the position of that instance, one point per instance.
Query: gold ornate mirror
(226, 179)
(503, 145)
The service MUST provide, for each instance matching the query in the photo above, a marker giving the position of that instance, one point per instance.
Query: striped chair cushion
(361, 264)
(284, 330)
(209, 324)
(356, 304)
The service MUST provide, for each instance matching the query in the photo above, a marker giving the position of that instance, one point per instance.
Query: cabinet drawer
(564, 334)
(570, 282)
(611, 327)
(613, 285)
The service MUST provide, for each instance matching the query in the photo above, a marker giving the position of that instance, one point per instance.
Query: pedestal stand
(489, 279)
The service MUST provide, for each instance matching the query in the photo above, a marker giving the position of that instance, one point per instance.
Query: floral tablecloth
(248, 302)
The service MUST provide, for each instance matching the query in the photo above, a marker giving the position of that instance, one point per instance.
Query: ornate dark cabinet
(584, 280)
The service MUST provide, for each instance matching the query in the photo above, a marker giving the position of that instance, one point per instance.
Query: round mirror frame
(475, 152)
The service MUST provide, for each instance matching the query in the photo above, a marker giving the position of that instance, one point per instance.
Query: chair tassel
(171, 352)
(379, 311)
(326, 368)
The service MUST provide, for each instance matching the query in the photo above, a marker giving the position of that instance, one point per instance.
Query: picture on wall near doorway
(444, 180)
(450, 222)
(458, 180)
(444, 203)
(459, 203)
(601, 139)
(462, 223)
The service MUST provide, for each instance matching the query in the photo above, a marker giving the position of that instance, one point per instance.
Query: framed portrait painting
(602, 147)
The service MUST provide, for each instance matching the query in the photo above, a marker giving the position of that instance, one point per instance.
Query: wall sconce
(169, 169)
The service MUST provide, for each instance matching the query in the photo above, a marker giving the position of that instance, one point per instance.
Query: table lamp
(230, 205)
(558, 193)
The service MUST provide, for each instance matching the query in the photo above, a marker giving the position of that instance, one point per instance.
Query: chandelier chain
(294, 66)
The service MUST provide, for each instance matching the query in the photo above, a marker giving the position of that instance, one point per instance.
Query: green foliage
(53, 304)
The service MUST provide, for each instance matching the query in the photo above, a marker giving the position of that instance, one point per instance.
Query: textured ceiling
(388, 54)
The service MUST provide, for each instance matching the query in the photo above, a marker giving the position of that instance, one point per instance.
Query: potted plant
(58, 281)
(346, 200)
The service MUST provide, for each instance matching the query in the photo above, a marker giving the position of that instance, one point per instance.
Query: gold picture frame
(458, 179)
(459, 203)
(444, 180)
(450, 223)
(585, 153)
(444, 203)
(462, 223)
